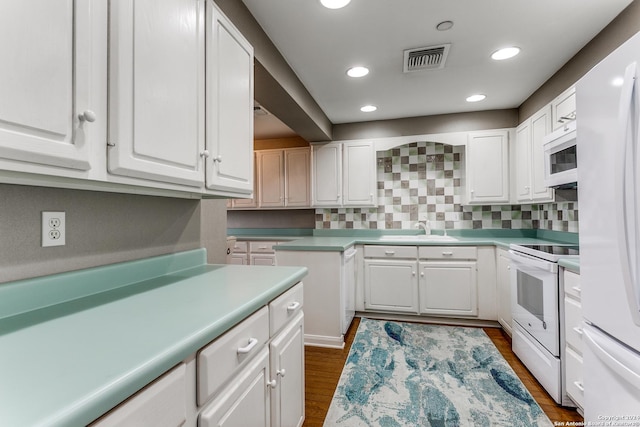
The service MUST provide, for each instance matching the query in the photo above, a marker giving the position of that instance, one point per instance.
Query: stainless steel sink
(420, 238)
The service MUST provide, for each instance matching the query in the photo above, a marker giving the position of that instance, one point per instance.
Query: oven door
(534, 299)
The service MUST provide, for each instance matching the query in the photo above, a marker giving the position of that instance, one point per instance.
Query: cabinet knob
(422, 274)
(218, 158)
(272, 384)
(281, 372)
(205, 154)
(87, 116)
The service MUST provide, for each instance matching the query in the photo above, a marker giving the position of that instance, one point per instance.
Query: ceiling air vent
(425, 58)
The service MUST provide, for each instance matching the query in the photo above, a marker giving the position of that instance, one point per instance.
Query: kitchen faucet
(425, 227)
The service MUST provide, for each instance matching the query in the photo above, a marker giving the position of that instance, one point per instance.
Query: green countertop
(71, 353)
(341, 240)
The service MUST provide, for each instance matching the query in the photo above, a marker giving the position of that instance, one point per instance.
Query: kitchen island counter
(75, 345)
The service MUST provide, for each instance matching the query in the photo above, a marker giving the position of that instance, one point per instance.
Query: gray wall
(293, 218)
(617, 32)
(102, 228)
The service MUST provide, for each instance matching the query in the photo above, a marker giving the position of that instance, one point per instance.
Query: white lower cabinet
(252, 375)
(503, 282)
(391, 285)
(287, 369)
(572, 357)
(162, 403)
(268, 389)
(448, 288)
(390, 278)
(429, 280)
(245, 402)
(448, 282)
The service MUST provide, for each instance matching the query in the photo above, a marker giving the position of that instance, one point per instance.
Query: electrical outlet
(53, 229)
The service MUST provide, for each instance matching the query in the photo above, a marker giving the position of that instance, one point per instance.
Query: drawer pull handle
(281, 372)
(389, 252)
(272, 383)
(293, 306)
(262, 247)
(448, 253)
(579, 385)
(578, 289)
(578, 330)
(246, 349)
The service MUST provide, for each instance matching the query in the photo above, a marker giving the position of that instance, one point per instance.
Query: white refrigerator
(608, 132)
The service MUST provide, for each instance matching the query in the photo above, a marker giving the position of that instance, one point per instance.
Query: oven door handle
(531, 261)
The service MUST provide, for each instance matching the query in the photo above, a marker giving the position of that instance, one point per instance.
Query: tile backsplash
(421, 181)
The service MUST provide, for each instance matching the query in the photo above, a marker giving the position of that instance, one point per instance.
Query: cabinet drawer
(572, 284)
(262, 247)
(575, 388)
(285, 308)
(573, 323)
(240, 247)
(390, 251)
(220, 360)
(448, 252)
(160, 403)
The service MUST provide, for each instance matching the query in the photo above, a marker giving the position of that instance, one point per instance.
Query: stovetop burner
(555, 249)
(549, 252)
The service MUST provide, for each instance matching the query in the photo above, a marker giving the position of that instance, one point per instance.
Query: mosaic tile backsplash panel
(422, 181)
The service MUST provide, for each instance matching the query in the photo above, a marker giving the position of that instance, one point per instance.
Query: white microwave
(561, 158)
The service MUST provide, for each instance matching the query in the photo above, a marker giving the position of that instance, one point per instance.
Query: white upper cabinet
(563, 108)
(344, 174)
(327, 174)
(229, 161)
(530, 158)
(359, 177)
(156, 90)
(51, 109)
(487, 168)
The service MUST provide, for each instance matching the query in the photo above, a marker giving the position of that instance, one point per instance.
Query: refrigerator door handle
(616, 357)
(627, 146)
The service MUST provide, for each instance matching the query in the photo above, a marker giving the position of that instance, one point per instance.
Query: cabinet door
(156, 90)
(48, 78)
(245, 401)
(504, 289)
(359, 172)
(523, 162)
(448, 288)
(327, 174)
(229, 106)
(540, 127)
(488, 184)
(297, 177)
(263, 259)
(270, 178)
(563, 108)
(287, 368)
(248, 202)
(391, 285)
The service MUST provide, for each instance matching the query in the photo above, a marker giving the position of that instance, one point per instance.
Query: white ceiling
(320, 44)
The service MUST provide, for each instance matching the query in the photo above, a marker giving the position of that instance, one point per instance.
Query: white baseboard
(324, 341)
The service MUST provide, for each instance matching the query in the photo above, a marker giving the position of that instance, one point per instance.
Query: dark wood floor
(324, 366)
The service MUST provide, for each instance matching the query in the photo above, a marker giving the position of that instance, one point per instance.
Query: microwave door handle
(627, 244)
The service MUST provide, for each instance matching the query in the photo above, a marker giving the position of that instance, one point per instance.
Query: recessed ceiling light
(368, 108)
(334, 4)
(357, 71)
(505, 53)
(476, 98)
(444, 26)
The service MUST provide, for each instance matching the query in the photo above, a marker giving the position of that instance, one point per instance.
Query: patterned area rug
(404, 374)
